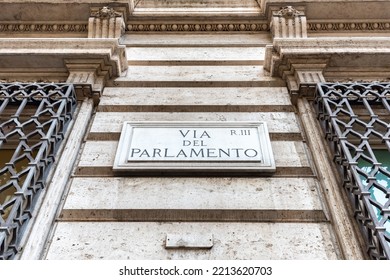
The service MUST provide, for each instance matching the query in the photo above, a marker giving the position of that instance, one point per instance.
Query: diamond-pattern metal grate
(356, 120)
(33, 120)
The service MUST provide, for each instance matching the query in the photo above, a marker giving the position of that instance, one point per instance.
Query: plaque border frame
(121, 165)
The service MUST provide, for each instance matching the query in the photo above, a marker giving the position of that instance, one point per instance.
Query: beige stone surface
(109, 125)
(195, 55)
(196, 73)
(97, 158)
(191, 3)
(196, 8)
(193, 193)
(195, 99)
(118, 240)
(198, 40)
(38, 59)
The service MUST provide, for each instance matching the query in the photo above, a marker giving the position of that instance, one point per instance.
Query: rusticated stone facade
(221, 61)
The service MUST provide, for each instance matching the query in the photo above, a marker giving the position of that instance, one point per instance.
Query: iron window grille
(356, 120)
(33, 121)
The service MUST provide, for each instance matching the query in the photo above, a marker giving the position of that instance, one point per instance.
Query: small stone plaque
(189, 241)
(194, 146)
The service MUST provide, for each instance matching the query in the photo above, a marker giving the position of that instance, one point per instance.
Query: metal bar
(352, 139)
(32, 158)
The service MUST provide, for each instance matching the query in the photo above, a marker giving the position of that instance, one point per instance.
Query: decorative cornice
(80, 28)
(197, 27)
(326, 26)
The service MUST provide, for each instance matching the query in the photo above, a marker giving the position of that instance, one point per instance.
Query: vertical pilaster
(45, 219)
(106, 23)
(288, 22)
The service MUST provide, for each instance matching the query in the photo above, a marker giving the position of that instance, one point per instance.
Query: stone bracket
(303, 82)
(86, 84)
(88, 76)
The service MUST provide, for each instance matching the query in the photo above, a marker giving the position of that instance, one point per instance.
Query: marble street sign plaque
(194, 146)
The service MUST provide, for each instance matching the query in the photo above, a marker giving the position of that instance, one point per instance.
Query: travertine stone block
(192, 193)
(197, 76)
(140, 241)
(97, 158)
(169, 8)
(256, 199)
(195, 55)
(108, 125)
(196, 99)
(195, 73)
(195, 40)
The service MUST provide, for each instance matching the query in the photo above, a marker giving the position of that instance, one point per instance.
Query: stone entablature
(75, 19)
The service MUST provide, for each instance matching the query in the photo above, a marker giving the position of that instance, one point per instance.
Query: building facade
(75, 74)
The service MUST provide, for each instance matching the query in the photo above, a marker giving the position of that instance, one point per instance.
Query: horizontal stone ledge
(191, 215)
(277, 122)
(118, 99)
(88, 193)
(97, 159)
(196, 40)
(146, 240)
(147, 62)
(269, 82)
(195, 108)
(104, 136)
(201, 12)
(90, 171)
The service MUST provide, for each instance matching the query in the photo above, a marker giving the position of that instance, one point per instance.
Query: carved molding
(288, 22)
(64, 27)
(365, 26)
(197, 27)
(80, 28)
